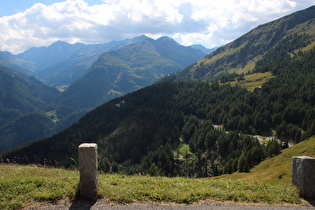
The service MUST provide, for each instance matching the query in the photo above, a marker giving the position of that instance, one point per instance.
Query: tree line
(141, 134)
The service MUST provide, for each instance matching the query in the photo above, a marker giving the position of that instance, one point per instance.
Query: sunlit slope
(278, 169)
(241, 55)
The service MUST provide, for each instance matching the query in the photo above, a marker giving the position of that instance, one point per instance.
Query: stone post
(88, 171)
(303, 175)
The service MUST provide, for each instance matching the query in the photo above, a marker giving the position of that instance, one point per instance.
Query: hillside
(22, 95)
(116, 73)
(241, 55)
(147, 126)
(277, 169)
(48, 188)
(31, 126)
(51, 114)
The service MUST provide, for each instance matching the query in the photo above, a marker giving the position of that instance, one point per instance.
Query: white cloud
(212, 23)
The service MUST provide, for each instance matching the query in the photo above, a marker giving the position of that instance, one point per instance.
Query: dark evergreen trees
(147, 126)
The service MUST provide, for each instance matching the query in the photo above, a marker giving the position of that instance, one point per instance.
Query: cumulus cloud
(211, 23)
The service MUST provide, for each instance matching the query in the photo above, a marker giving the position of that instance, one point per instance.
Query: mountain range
(116, 73)
(171, 125)
(111, 75)
(64, 73)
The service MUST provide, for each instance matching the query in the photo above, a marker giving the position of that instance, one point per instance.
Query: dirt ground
(202, 205)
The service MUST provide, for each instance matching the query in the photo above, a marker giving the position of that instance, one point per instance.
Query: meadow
(22, 186)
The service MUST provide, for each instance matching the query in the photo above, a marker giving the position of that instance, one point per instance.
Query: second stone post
(88, 171)
(303, 175)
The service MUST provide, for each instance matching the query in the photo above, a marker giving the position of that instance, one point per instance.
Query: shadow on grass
(80, 202)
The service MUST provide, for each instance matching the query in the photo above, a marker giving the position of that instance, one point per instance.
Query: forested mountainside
(125, 70)
(241, 55)
(21, 95)
(114, 74)
(144, 131)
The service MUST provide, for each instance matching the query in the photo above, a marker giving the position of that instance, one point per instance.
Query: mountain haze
(43, 57)
(116, 73)
(203, 49)
(10, 61)
(67, 71)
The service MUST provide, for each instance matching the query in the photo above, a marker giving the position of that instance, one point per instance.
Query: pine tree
(154, 170)
(242, 163)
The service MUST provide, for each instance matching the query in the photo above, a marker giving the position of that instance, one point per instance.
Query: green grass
(182, 150)
(22, 186)
(253, 81)
(126, 189)
(279, 168)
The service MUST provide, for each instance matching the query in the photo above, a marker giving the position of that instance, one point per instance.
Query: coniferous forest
(141, 132)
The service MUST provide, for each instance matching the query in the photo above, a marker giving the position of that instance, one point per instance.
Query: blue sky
(33, 23)
(11, 7)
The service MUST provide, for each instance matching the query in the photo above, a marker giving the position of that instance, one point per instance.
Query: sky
(212, 23)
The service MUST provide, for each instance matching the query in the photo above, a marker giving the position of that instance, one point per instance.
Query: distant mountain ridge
(125, 70)
(61, 63)
(203, 49)
(67, 71)
(43, 57)
(10, 61)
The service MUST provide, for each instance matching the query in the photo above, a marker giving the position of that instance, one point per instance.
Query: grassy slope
(241, 55)
(253, 81)
(21, 186)
(279, 168)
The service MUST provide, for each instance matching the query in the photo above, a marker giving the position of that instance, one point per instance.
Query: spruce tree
(242, 163)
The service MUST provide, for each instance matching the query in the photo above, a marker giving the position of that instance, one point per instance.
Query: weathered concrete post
(88, 171)
(303, 175)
